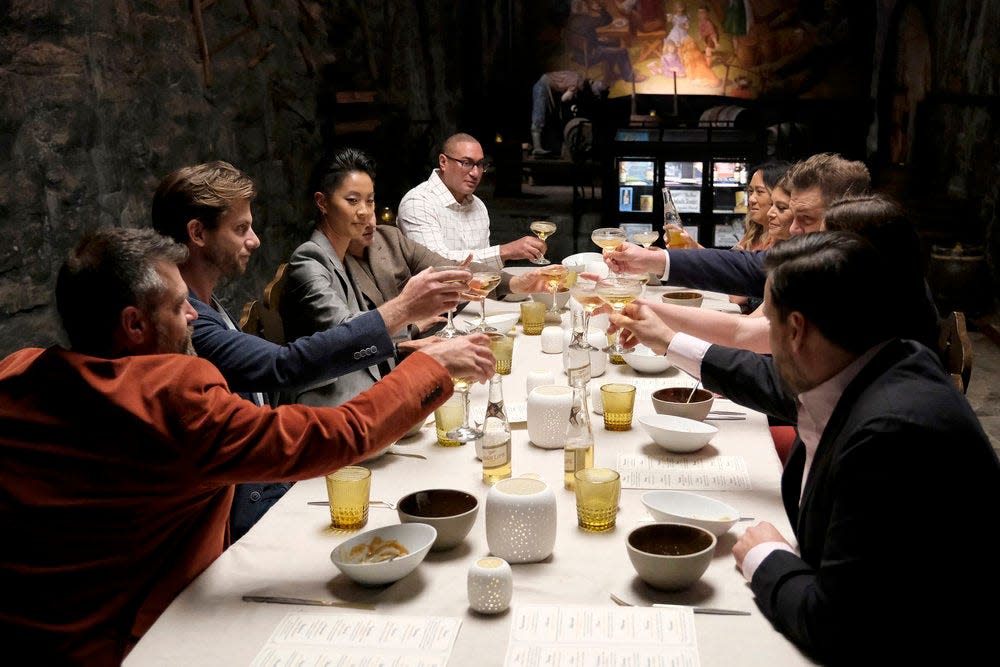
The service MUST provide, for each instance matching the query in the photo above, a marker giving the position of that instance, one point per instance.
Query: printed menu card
(573, 636)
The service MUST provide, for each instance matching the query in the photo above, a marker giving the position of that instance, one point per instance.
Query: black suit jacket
(735, 271)
(896, 521)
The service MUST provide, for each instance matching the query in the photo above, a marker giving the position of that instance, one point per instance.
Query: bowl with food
(384, 555)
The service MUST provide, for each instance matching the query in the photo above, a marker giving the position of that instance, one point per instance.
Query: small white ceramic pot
(536, 378)
(596, 402)
(552, 339)
(521, 520)
(490, 585)
(548, 414)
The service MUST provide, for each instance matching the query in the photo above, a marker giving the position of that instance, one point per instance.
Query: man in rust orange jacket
(120, 454)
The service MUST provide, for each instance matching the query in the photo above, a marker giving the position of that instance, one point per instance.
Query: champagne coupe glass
(555, 275)
(483, 282)
(608, 238)
(585, 293)
(466, 432)
(543, 229)
(450, 330)
(618, 292)
(646, 239)
(641, 278)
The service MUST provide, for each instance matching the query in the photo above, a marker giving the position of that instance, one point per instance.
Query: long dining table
(287, 553)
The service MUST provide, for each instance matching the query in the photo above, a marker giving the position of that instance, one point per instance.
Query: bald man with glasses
(444, 214)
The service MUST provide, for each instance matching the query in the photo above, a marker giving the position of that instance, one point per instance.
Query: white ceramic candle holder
(490, 585)
(521, 520)
(552, 340)
(537, 378)
(548, 409)
(596, 402)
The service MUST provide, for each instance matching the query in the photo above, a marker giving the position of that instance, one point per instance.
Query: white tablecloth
(287, 552)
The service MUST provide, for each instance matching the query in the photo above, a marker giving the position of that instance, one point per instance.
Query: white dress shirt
(430, 215)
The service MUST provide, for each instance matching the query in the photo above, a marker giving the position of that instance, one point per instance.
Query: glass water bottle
(495, 444)
(579, 450)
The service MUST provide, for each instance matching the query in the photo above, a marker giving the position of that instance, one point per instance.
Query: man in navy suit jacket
(816, 183)
(891, 482)
(207, 208)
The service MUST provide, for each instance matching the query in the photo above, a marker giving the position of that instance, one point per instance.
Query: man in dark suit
(207, 208)
(816, 183)
(891, 481)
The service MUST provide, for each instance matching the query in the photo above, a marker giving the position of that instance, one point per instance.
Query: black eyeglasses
(468, 165)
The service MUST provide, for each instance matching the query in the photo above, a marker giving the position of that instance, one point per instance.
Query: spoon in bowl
(693, 390)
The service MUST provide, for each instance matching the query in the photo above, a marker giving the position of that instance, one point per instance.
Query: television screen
(729, 174)
(676, 173)
(635, 172)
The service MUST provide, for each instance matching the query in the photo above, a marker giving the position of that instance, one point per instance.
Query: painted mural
(736, 48)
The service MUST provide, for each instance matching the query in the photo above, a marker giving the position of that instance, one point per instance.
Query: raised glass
(543, 229)
(450, 330)
(555, 277)
(618, 293)
(482, 283)
(608, 238)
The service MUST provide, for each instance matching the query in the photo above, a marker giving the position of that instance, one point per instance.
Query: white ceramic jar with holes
(490, 585)
(521, 520)
(548, 408)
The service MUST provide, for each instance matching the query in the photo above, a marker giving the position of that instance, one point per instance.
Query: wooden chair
(955, 349)
(263, 318)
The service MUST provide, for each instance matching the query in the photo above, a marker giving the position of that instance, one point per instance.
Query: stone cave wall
(101, 99)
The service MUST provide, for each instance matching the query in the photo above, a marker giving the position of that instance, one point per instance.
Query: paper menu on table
(716, 473)
(543, 635)
(358, 641)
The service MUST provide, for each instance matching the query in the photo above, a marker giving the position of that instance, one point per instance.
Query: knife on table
(280, 599)
(709, 610)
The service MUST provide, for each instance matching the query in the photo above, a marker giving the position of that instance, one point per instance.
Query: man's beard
(188, 344)
(165, 345)
(229, 265)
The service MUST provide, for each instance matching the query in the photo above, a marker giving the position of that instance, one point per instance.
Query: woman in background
(756, 223)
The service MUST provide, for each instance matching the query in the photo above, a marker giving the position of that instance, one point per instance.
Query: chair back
(955, 349)
(263, 317)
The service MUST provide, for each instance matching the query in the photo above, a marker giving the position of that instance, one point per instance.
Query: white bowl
(451, 511)
(644, 360)
(580, 260)
(503, 322)
(562, 298)
(670, 556)
(713, 515)
(417, 538)
(677, 434)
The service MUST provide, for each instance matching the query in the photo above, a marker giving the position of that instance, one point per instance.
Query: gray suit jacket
(316, 299)
(392, 259)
